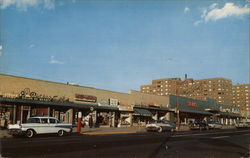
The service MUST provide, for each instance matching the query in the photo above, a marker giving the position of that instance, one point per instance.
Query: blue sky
(120, 45)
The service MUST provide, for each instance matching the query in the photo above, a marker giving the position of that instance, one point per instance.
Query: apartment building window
(210, 90)
(147, 87)
(166, 81)
(247, 104)
(238, 87)
(154, 90)
(210, 81)
(166, 93)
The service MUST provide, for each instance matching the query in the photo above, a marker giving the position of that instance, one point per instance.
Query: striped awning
(142, 112)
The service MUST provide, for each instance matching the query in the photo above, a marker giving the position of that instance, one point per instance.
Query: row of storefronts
(21, 98)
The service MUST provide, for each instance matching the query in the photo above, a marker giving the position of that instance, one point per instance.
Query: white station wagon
(40, 125)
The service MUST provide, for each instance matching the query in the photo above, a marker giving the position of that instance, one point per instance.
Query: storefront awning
(160, 108)
(26, 102)
(142, 112)
(195, 112)
(232, 115)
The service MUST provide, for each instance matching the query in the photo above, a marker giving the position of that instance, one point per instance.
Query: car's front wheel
(30, 133)
(60, 133)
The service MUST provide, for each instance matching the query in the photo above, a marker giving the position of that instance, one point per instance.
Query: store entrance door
(25, 115)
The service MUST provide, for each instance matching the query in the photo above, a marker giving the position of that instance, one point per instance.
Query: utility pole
(177, 106)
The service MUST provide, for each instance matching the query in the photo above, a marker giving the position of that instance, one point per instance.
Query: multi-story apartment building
(216, 88)
(241, 98)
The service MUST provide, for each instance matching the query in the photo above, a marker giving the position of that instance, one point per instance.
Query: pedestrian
(90, 121)
(83, 122)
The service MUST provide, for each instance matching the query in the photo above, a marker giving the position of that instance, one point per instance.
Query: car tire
(30, 133)
(60, 133)
(160, 129)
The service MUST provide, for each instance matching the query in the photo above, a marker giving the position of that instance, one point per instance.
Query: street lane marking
(220, 137)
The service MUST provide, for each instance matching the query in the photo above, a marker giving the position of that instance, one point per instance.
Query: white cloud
(186, 10)
(23, 5)
(212, 6)
(213, 13)
(228, 10)
(54, 61)
(196, 23)
(1, 50)
(31, 46)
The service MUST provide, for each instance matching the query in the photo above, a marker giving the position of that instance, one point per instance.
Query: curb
(110, 133)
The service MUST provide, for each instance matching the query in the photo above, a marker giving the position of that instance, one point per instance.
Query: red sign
(85, 98)
(192, 104)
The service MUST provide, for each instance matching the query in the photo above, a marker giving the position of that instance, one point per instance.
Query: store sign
(192, 104)
(125, 108)
(113, 102)
(229, 110)
(27, 94)
(85, 98)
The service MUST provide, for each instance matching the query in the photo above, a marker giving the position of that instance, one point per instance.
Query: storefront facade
(21, 98)
(191, 109)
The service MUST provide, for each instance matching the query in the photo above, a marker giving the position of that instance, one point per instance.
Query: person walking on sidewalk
(90, 121)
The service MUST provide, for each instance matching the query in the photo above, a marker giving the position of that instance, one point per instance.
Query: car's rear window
(44, 120)
(33, 120)
(53, 121)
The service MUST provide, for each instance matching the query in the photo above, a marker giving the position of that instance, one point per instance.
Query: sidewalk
(4, 133)
(110, 130)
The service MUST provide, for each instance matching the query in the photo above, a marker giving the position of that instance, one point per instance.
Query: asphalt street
(201, 144)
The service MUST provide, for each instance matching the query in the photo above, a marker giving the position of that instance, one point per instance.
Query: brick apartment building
(219, 89)
(241, 98)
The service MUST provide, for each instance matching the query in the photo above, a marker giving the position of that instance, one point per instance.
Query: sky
(119, 45)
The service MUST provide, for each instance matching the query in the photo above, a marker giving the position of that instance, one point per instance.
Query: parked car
(214, 125)
(160, 126)
(39, 125)
(243, 125)
(198, 125)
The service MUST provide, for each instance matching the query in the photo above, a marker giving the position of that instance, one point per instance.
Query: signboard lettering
(85, 98)
(192, 104)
